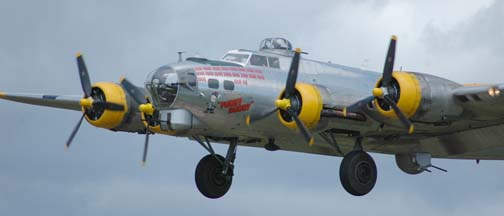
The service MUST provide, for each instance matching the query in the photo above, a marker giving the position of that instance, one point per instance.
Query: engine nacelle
(128, 119)
(309, 98)
(408, 88)
(421, 97)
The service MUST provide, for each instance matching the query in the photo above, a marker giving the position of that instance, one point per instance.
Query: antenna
(180, 55)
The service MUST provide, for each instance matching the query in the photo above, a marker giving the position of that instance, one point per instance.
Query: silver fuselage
(219, 110)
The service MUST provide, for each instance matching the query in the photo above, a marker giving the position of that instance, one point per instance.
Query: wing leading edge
(68, 102)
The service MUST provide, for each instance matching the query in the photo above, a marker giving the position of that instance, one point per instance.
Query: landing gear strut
(214, 173)
(358, 171)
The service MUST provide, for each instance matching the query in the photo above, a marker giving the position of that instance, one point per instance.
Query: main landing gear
(214, 173)
(358, 171)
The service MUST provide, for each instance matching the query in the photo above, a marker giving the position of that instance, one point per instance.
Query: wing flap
(68, 102)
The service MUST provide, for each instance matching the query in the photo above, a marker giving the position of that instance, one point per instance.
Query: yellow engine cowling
(113, 93)
(410, 95)
(310, 109)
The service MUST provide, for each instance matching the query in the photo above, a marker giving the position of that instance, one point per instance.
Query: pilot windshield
(258, 60)
(235, 57)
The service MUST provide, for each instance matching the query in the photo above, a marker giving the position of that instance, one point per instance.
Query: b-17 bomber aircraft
(275, 99)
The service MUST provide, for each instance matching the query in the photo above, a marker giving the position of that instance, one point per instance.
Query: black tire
(209, 179)
(358, 173)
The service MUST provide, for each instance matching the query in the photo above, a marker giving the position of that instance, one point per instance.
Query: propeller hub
(378, 92)
(283, 104)
(86, 102)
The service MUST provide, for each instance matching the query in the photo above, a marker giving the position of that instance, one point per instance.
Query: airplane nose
(162, 85)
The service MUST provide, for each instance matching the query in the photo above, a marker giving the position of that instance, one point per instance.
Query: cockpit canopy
(275, 43)
(251, 58)
(273, 53)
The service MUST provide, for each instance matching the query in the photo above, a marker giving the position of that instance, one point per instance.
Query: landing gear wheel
(209, 178)
(358, 173)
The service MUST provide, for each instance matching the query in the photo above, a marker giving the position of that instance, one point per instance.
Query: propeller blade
(249, 119)
(84, 76)
(389, 62)
(146, 146)
(404, 120)
(290, 86)
(109, 105)
(134, 91)
(304, 131)
(72, 135)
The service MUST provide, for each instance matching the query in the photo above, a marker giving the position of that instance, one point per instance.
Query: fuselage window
(258, 60)
(273, 62)
(229, 85)
(213, 83)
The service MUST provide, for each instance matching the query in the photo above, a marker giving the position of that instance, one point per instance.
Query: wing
(69, 102)
(482, 102)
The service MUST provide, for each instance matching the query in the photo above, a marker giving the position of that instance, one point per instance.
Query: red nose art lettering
(239, 75)
(235, 105)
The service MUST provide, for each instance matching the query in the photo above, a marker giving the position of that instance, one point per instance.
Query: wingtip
(2, 94)
(143, 163)
(122, 78)
(298, 50)
(311, 142)
(394, 37)
(78, 54)
(345, 112)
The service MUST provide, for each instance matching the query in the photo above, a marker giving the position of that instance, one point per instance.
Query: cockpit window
(273, 62)
(258, 60)
(235, 57)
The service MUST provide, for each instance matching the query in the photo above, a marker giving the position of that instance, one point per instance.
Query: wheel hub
(218, 178)
(363, 172)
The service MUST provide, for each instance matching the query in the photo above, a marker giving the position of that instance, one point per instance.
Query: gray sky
(101, 174)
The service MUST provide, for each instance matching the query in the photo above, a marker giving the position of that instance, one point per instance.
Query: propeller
(289, 103)
(145, 107)
(93, 101)
(387, 94)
